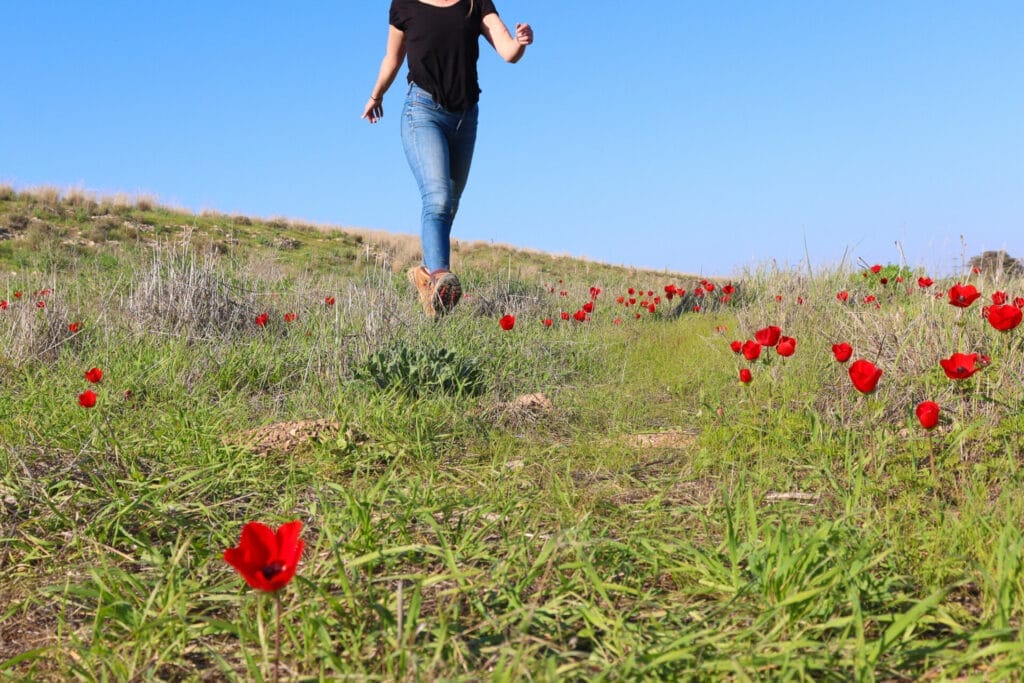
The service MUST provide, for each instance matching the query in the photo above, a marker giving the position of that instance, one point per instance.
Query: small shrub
(7, 193)
(15, 221)
(994, 263)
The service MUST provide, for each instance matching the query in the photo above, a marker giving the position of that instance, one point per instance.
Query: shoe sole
(448, 291)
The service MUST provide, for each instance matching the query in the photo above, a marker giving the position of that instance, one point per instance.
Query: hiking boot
(447, 290)
(424, 284)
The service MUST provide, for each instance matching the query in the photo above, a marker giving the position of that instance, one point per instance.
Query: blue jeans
(439, 146)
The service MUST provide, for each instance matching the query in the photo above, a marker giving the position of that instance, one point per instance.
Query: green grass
(658, 520)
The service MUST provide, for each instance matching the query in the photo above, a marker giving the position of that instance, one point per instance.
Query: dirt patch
(291, 437)
(522, 410)
(673, 438)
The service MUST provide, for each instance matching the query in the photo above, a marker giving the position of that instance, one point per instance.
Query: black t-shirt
(442, 46)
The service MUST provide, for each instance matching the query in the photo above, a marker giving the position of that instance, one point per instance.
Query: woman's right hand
(374, 110)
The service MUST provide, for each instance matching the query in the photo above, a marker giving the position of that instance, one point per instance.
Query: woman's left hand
(524, 34)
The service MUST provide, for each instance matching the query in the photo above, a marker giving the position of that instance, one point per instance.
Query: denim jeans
(439, 146)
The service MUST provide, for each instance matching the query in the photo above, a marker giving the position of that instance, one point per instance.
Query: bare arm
(511, 48)
(394, 55)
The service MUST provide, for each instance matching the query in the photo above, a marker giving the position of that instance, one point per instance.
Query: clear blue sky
(696, 136)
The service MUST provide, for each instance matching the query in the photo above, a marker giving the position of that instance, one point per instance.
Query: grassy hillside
(600, 497)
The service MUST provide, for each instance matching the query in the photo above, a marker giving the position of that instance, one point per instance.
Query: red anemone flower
(728, 289)
(876, 269)
(1004, 317)
(960, 365)
(579, 316)
(266, 559)
(94, 375)
(768, 336)
(329, 300)
(864, 375)
(925, 282)
(87, 399)
(843, 296)
(290, 317)
(842, 351)
(998, 298)
(745, 376)
(547, 322)
(1019, 302)
(262, 318)
(17, 295)
(40, 304)
(507, 322)
(927, 414)
(736, 346)
(963, 296)
(595, 292)
(3, 305)
(751, 350)
(786, 346)
(588, 307)
(564, 315)
(74, 327)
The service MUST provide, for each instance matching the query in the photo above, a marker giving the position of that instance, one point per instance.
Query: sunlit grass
(652, 518)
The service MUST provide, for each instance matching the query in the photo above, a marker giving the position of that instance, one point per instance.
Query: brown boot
(424, 284)
(447, 290)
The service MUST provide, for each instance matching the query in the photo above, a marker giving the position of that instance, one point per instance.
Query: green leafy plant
(421, 371)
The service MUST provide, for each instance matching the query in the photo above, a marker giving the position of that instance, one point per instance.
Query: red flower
(843, 296)
(1004, 317)
(94, 375)
(728, 289)
(670, 290)
(1019, 302)
(925, 282)
(262, 318)
(652, 308)
(963, 296)
(595, 292)
(778, 297)
(696, 309)
(17, 295)
(290, 317)
(620, 300)
(265, 559)
(842, 351)
(631, 291)
(751, 350)
(870, 298)
(74, 327)
(998, 298)
(960, 365)
(786, 346)
(617, 321)
(588, 307)
(736, 346)
(709, 286)
(87, 399)
(864, 375)
(876, 269)
(745, 376)
(884, 281)
(329, 300)
(768, 336)
(507, 322)
(3, 305)
(564, 315)
(927, 414)
(579, 316)
(40, 304)
(547, 322)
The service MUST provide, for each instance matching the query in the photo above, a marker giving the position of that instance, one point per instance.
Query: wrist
(376, 98)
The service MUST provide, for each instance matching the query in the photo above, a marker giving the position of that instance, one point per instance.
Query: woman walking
(441, 40)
